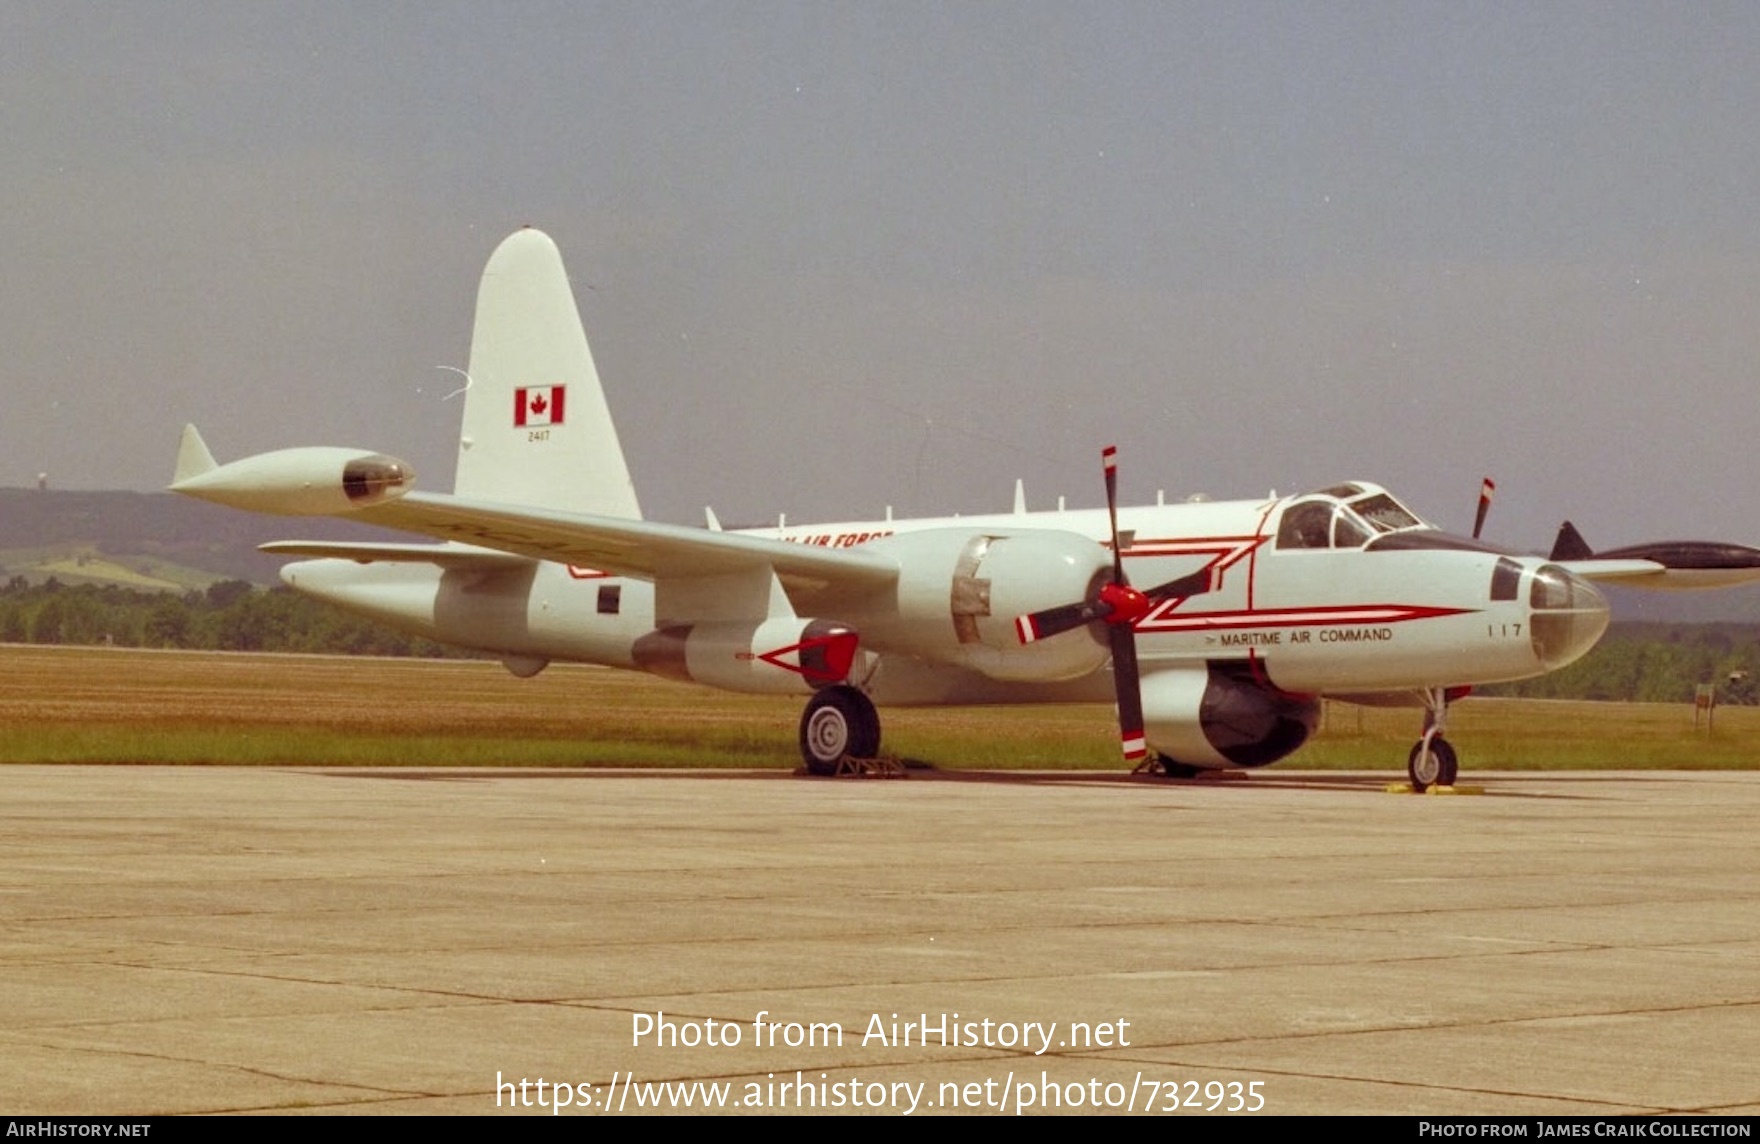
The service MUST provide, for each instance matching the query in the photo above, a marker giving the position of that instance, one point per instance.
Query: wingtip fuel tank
(311, 481)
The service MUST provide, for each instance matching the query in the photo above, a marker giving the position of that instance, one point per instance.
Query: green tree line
(231, 615)
(1656, 663)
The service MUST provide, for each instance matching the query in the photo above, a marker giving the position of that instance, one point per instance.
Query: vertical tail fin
(537, 430)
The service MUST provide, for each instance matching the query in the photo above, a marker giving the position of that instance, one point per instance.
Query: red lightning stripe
(1163, 619)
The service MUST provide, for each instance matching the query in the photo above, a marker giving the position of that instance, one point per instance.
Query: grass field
(90, 705)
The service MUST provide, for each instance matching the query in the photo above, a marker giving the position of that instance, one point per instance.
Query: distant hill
(148, 540)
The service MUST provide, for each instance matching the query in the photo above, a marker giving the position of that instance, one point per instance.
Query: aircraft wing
(459, 556)
(643, 549)
(1668, 564)
(375, 488)
(1618, 571)
(1639, 573)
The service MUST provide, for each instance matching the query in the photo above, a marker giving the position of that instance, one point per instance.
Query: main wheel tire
(838, 721)
(1435, 767)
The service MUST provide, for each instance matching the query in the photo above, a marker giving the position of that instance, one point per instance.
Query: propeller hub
(1128, 605)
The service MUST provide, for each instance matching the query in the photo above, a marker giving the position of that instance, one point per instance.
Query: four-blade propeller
(1119, 606)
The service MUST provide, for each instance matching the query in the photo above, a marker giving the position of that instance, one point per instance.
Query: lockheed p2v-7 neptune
(1256, 609)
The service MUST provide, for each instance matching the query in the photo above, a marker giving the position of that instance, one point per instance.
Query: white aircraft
(1261, 608)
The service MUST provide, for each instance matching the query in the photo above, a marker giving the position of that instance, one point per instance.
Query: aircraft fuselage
(1301, 618)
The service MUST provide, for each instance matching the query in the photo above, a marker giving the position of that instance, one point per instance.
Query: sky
(838, 256)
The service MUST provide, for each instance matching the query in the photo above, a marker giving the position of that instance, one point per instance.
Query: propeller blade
(1109, 461)
(1126, 682)
(1056, 621)
(1124, 607)
(1120, 606)
(1485, 490)
(1117, 603)
(1192, 584)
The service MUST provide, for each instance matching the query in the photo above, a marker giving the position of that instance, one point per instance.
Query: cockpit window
(1348, 531)
(1385, 513)
(1506, 578)
(1306, 525)
(1321, 524)
(1367, 515)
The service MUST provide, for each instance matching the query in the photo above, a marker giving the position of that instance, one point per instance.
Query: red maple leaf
(538, 404)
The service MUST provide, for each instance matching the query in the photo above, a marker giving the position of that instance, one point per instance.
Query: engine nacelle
(960, 591)
(313, 481)
(789, 656)
(1222, 716)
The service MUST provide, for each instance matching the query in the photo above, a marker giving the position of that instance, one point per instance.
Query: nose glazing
(1566, 616)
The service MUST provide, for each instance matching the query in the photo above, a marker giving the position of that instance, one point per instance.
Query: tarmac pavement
(210, 939)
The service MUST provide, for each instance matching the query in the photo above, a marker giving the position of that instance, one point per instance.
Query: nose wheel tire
(1431, 763)
(838, 721)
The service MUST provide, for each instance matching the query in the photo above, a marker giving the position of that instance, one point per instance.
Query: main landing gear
(1432, 761)
(838, 721)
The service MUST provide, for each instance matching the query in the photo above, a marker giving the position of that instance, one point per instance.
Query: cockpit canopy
(1344, 516)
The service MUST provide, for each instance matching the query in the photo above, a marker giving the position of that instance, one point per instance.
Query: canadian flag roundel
(538, 405)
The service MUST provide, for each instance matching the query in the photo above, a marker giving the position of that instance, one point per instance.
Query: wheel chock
(1441, 791)
(884, 767)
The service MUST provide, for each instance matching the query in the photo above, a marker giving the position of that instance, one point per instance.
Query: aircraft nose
(1566, 616)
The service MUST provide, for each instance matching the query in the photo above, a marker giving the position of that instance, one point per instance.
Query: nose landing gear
(1432, 760)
